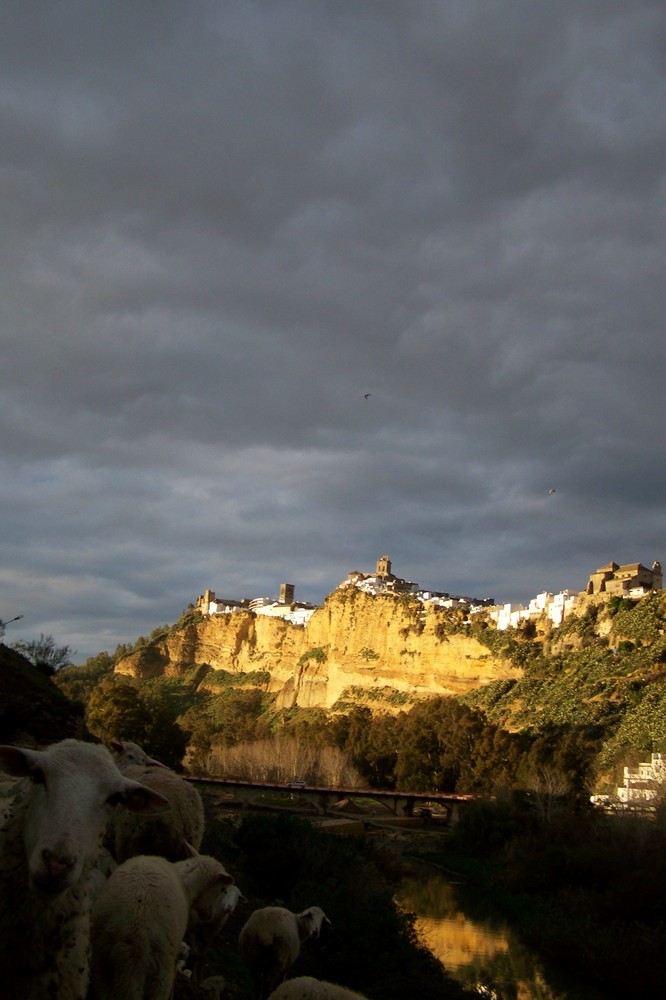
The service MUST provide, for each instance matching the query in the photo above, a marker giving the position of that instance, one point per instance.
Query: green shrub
(316, 653)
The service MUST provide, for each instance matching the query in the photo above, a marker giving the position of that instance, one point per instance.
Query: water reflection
(475, 944)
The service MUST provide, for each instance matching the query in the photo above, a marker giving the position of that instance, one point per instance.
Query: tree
(235, 714)
(78, 683)
(118, 710)
(371, 741)
(44, 654)
(444, 745)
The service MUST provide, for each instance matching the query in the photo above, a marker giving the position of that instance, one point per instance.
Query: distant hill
(33, 710)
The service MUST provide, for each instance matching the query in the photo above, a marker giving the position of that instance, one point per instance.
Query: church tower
(384, 567)
(657, 576)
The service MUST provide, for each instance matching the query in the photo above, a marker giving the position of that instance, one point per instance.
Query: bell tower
(657, 576)
(384, 567)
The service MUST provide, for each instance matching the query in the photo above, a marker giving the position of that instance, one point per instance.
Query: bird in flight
(367, 395)
(550, 492)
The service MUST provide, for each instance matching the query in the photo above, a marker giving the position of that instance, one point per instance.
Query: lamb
(307, 988)
(139, 921)
(270, 942)
(167, 834)
(48, 847)
(204, 926)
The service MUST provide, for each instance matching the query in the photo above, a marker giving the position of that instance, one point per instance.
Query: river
(476, 944)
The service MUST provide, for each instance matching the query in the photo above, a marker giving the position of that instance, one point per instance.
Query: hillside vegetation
(600, 675)
(574, 704)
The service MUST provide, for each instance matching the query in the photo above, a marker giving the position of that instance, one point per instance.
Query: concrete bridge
(403, 804)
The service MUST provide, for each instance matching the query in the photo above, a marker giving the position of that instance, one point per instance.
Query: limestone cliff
(385, 651)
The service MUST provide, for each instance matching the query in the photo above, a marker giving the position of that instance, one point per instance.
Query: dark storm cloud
(225, 224)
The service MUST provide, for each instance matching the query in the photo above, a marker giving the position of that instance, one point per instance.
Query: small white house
(644, 782)
(508, 615)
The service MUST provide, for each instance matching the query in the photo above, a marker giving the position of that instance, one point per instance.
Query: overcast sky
(224, 224)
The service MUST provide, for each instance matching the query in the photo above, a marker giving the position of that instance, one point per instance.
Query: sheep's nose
(57, 865)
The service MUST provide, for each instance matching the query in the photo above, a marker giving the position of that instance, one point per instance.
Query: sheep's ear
(18, 760)
(190, 852)
(141, 799)
(156, 763)
(225, 878)
(115, 745)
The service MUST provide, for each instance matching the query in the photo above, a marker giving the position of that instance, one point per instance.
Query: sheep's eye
(116, 799)
(37, 776)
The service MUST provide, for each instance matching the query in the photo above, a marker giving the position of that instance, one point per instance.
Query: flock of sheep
(104, 894)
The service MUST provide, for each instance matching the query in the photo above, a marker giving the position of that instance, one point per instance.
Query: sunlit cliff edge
(386, 651)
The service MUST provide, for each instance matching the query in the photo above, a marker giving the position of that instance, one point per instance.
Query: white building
(209, 604)
(554, 606)
(508, 615)
(643, 783)
(562, 605)
(296, 614)
(285, 607)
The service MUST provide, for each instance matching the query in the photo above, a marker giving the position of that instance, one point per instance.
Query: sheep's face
(231, 898)
(128, 754)
(209, 902)
(74, 786)
(311, 922)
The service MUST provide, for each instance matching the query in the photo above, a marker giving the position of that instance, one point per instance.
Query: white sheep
(307, 988)
(127, 753)
(105, 863)
(204, 925)
(48, 847)
(166, 834)
(139, 921)
(270, 941)
(7, 792)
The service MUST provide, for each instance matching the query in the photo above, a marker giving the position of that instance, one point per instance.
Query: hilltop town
(630, 580)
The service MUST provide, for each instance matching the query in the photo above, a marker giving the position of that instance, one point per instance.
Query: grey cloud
(225, 224)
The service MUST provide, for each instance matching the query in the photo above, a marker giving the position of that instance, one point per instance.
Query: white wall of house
(644, 782)
(508, 615)
(555, 606)
(297, 616)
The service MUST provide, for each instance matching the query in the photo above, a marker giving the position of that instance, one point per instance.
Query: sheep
(8, 789)
(48, 847)
(307, 988)
(127, 753)
(270, 942)
(105, 863)
(166, 834)
(139, 921)
(204, 926)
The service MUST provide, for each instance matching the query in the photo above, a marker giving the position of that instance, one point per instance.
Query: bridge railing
(397, 801)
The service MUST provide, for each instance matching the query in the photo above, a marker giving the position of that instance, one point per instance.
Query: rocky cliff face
(384, 651)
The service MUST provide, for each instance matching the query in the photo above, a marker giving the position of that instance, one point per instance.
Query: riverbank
(588, 894)
(479, 945)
